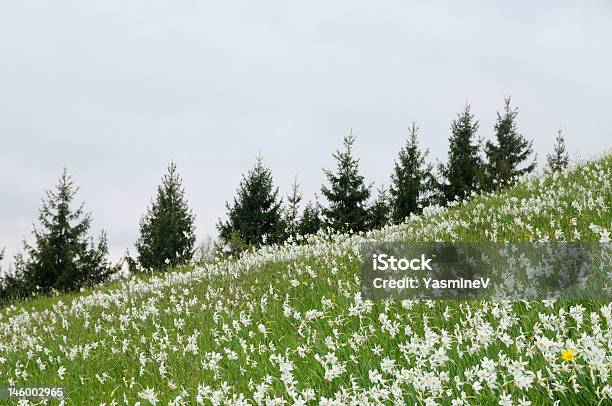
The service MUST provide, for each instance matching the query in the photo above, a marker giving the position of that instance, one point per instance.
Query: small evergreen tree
(167, 230)
(9, 290)
(509, 152)
(559, 159)
(63, 257)
(380, 212)
(255, 216)
(463, 171)
(347, 194)
(310, 222)
(3, 280)
(412, 181)
(292, 211)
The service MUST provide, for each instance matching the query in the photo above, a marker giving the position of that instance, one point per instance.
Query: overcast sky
(116, 89)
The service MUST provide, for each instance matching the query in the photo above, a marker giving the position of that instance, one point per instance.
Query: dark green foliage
(463, 171)
(255, 216)
(12, 285)
(347, 194)
(412, 181)
(167, 230)
(380, 212)
(311, 221)
(292, 211)
(559, 159)
(63, 257)
(5, 289)
(132, 264)
(509, 152)
(11, 288)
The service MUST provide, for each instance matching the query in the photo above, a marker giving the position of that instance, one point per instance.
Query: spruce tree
(559, 159)
(380, 212)
(13, 284)
(310, 222)
(463, 171)
(509, 152)
(167, 230)
(347, 194)
(63, 257)
(255, 217)
(3, 278)
(8, 288)
(292, 210)
(412, 181)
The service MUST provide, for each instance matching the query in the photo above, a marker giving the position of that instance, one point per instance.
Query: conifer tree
(463, 171)
(63, 257)
(2, 276)
(347, 194)
(412, 181)
(559, 159)
(167, 230)
(8, 289)
(310, 222)
(380, 212)
(292, 211)
(509, 152)
(255, 217)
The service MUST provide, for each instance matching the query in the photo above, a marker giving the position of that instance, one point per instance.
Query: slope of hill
(287, 325)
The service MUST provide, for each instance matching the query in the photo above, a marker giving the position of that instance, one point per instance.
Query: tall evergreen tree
(380, 212)
(347, 194)
(63, 257)
(463, 171)
(412, 181)
(167, 229)
(559, 159)
(509, 152)
(255, 217)
(311, 221)
(292, 211)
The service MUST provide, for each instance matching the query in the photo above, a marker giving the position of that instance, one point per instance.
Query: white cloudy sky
(116, 89)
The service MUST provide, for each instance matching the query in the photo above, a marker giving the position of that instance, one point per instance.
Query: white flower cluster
(287, 324)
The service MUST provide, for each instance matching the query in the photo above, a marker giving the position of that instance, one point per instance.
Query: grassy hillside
(287, 325)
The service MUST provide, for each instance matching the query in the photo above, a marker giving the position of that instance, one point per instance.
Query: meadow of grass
(287, 324)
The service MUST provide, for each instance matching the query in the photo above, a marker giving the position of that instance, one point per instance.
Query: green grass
(105, 332)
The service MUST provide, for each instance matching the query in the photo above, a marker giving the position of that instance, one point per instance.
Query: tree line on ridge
(63, 257)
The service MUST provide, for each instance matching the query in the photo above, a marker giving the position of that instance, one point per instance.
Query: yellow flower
(568, 354)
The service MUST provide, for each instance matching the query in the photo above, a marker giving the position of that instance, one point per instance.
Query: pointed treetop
(347, 194)
(559, 159)
(254, 218)
(411, 179)
(167, 230)
(63, 256)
